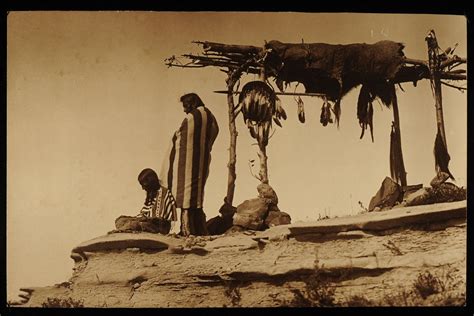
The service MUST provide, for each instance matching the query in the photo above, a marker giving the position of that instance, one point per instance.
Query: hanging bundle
(301, 115)
(396, 159)
(441, 154)
(279, 112)
(257, 102)
(326, 117)
(259, 105)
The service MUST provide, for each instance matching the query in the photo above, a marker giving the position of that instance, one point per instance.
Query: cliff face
(380, 258)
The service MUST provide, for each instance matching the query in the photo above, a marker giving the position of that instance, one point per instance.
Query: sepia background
(90, 103)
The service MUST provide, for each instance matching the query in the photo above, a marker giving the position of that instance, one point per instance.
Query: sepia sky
(90, 103)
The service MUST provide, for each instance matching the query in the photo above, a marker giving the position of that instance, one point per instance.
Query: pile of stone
(255, 214)
(392, 195)
(262, 212)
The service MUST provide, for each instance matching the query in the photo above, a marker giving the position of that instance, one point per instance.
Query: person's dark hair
(150, 177)
(192, 98)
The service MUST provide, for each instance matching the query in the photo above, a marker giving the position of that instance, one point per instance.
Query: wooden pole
(262, 150)
(435, 72)
(439, 109)
(262, 155)
(231, 176)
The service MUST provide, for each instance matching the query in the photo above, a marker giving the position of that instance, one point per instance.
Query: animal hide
(441, 154)
(334, 70)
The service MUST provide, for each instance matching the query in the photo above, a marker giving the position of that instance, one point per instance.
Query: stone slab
(118, 241)
(421, 214)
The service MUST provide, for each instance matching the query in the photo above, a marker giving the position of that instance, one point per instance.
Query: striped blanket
(162, 206)
(165, 206)
(186, 165)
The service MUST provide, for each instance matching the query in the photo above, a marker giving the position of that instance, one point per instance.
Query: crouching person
(157, 212)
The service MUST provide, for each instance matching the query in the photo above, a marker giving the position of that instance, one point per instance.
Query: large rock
(251, 214)
(265, 191)
(389, 193)
(277, 218)
(268, 269)
(142, 224)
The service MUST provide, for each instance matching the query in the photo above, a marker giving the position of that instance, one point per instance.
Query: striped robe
(186, 165)
(162, 206)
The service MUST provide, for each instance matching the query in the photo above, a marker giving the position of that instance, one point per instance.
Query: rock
(257, 207)
(251, 214)
(142, 224)
(387, 195)
(248, 221)
(417, 198)
(273, 208)
(265, 191)
(220, 224)
(235, 229)
(439, 179)
(277, 218)
(267, 268)
(141, 240)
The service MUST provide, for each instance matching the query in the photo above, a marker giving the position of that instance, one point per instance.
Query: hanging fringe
(337, 111)
(383, 91)
(441, 154)
(396, 167)
(365, 110)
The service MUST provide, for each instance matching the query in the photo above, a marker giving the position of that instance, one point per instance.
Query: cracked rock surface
(370, 254)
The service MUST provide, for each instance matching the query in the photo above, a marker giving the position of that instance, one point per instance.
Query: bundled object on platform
(439, 179)
(388, 194)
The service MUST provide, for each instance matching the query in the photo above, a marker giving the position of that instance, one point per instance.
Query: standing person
(186, 166)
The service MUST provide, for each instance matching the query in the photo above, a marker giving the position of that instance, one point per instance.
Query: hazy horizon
(90, 103)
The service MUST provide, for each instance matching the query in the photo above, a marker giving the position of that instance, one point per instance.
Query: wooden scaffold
(328, 72)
